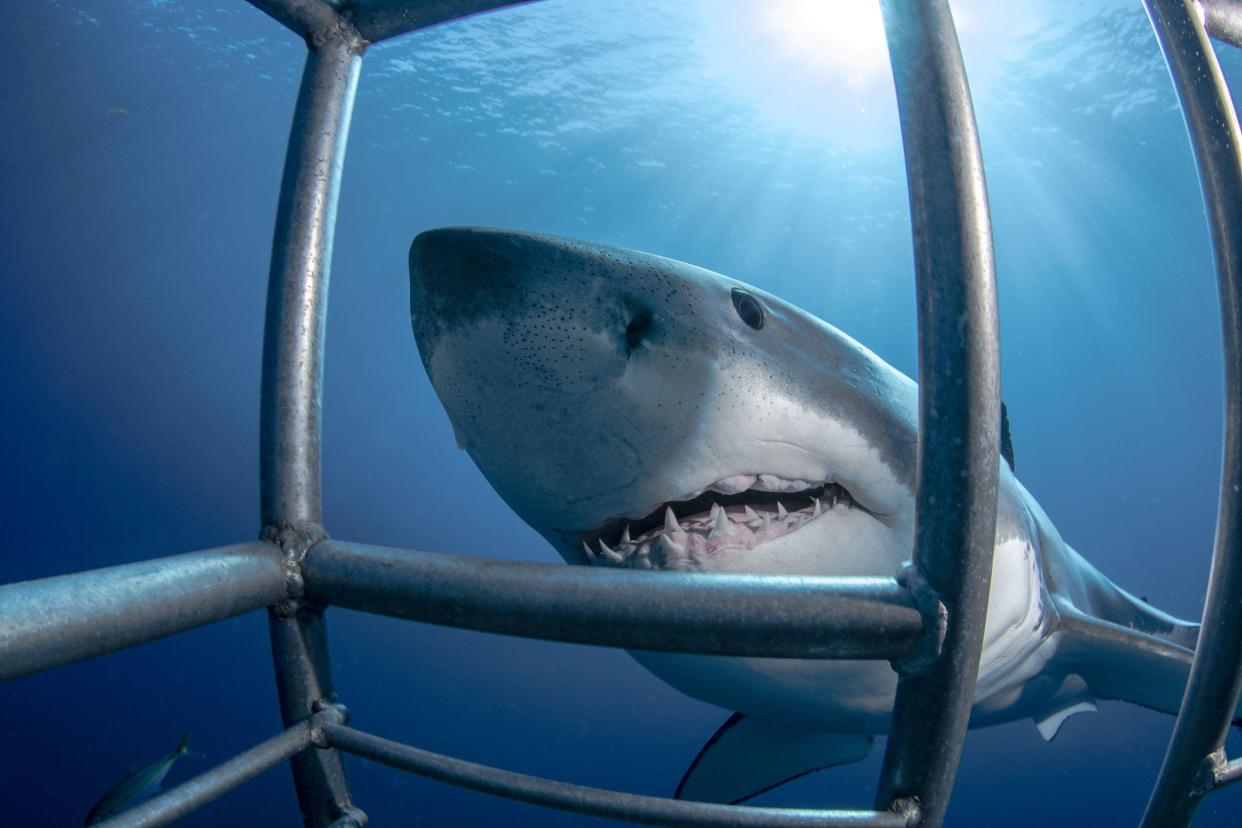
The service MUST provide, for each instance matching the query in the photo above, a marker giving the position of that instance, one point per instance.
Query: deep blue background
(134, 256)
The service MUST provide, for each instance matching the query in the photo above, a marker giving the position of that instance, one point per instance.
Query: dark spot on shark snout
(636, 330)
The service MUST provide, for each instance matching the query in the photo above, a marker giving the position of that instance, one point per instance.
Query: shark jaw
(736, 515)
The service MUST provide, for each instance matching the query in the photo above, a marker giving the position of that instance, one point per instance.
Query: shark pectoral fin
(1072, 697)
(1050, 725)
(1120, 662)
(746, 757)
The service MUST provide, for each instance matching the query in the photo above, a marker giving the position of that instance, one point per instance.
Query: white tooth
(670, 520)
(769, 483)
(591, 554)
(613, 557)
(714, 511)
(668, 550)
(751, 514)
(722, 526)
(818, 508)
(767, 523)
(781, 514)
(625, 534)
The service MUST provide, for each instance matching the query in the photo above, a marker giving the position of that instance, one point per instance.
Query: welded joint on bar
(329, 712)
(1209, 768)
(294, 543)
(935, 621)
(908, 807)
(341, 30)
(1217, 772)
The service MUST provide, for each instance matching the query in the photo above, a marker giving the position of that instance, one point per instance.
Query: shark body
(642, 412)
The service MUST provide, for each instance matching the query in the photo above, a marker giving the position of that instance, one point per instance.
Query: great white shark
(645, 413)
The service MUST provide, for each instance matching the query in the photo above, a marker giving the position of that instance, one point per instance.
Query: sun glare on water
(818, 66)
(838, 40)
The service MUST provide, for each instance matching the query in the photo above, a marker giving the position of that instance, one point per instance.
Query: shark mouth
(737, 513)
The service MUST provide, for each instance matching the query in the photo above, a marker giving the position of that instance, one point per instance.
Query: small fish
(138, 786)
(116, 111)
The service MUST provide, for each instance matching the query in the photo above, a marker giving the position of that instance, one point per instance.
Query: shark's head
(639, 411)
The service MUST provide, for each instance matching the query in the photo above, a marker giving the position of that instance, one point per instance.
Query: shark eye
(748, 308)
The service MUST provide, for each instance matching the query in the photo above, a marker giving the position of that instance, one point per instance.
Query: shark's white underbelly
(857, 696)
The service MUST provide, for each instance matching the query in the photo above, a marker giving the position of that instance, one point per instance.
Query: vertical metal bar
(1215, 679)
(292, 386)
(959, 378)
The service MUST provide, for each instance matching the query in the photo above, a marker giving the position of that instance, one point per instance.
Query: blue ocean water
(143, 144)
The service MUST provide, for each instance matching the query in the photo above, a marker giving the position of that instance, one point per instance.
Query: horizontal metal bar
(597, 802)
(378, 20)
(1224, 20)
(742, 615)
(1225, 772)
(307, 18)
(193, 794)
(55, 621)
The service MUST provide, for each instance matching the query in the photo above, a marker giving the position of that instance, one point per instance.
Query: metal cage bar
(292, 391)
(765, 615)
(1215, 679)
(959, 402)
(648, 810)
(51, 622)
(193, 794)
(768, 616)
(378, 20)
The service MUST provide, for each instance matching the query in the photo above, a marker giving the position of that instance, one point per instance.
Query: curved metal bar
(297, 298)
(745, 615)
(647, 810)
(378, 20)
(959, 379)
(189, 796)
(292, 386)
(307, 18)
(1215, 678)
(55, 621)
(1224, 20)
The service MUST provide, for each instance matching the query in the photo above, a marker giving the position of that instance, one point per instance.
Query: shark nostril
(636, 330)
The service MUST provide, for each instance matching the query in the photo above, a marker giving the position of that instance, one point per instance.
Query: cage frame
(935, 608)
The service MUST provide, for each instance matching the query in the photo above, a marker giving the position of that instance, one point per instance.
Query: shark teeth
(741, 520)
(609, 554)
(670, 520)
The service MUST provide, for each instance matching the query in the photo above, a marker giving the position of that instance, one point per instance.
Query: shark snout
(553, 298)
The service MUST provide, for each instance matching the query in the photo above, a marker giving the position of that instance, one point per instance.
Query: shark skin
(642, 412)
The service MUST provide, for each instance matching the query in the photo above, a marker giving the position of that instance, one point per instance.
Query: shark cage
(928, 619)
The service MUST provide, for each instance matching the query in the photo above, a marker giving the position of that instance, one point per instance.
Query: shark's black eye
(748, 308)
